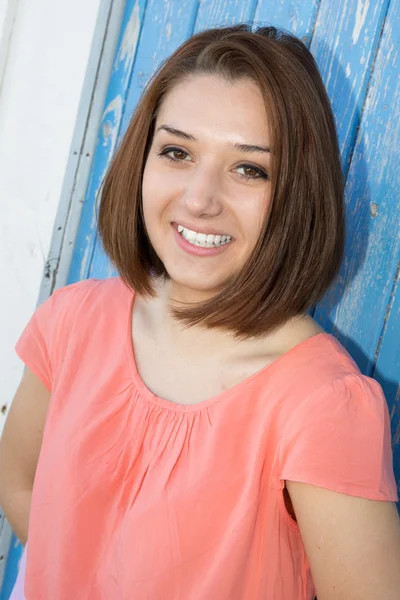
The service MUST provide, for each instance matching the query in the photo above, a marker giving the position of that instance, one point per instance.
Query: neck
(197, 342)
(169, 296)
(175, 295)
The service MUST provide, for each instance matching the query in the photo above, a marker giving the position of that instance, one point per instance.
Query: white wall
(41, 86)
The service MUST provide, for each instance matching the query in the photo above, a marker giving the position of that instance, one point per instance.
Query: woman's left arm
(352, 544)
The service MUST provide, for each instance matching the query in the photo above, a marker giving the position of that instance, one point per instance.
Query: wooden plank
(217, 13)
(108, 135)
(387, 364)
(295, 16)
(387, 370)
(344, 44)
(165, 26)
(356, 306)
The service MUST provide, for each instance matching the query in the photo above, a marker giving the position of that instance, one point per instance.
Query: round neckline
(148, 395)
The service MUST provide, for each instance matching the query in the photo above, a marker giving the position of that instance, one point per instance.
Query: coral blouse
(140, 498)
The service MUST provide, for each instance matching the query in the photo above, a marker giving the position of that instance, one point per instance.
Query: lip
(197, 250)
(207, 231)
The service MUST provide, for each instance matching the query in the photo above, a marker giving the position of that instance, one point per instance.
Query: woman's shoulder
(323, 358)
(82, 303)
(62, 322)
(319, 377)
(317, 371)
(90, 294)
(97, 288)
(335, 424)
(307, 357)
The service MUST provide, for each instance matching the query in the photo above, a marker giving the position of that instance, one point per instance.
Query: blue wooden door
(356, 46)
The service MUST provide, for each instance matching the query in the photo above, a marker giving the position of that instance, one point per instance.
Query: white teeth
(189, 235)
(202, 239)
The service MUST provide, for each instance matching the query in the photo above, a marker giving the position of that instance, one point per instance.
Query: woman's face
(206, 183)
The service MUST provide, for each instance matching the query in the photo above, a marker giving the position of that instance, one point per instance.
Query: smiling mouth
(202, 239)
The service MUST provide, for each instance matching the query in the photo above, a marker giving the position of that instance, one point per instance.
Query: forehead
(206, 104)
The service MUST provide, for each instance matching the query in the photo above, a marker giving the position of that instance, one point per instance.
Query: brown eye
(174, 154)
(252, 172)
(178, 154)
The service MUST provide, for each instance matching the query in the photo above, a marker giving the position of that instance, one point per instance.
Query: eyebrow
(189, 136)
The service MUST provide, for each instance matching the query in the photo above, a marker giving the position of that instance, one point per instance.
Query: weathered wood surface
(387, 368)
(215, 13)
(346, 35)
(356, 46)
(356, 306)
(297, 16)
(108, 134)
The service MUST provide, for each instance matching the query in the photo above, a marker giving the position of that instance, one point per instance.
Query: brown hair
(301, 245)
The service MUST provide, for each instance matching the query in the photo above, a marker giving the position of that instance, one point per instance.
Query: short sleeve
(41, 343)
(339, 439)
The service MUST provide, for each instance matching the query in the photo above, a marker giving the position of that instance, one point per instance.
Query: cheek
(149, 204)
(152, 194)
(158, 185)
(149, 185)
(252, 216)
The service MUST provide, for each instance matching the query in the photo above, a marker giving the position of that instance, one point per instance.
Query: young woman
(203, 437)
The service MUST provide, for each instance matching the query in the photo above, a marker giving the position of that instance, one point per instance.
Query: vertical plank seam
(96, 233)
(253, 11)
(371, 72)
(386, 318)
(195, 13)
(357, 131)
(315, 22)
(128, 87)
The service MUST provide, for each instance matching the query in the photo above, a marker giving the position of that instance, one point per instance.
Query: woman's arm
(20, 445)
(352, 544)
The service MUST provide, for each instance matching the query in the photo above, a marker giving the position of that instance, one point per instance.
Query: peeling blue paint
(108, 135)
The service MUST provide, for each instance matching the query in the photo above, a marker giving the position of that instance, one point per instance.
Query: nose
(203, 194)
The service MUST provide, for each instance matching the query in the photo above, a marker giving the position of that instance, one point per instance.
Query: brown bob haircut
(299, 251)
